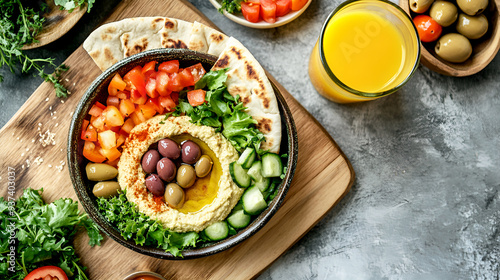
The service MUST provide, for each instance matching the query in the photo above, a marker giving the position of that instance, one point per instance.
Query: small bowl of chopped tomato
(261, 14)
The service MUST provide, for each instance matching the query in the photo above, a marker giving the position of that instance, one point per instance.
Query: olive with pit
(420, 6)
(166, 169)
(186, 176)
(472, 27)
(169, 148)
(106, 189)
(444, 13)
(191, 152)
(100, 171)
(472, 7)
(150, 160)
(453, 47)
(174, 195)
(203, 166)
(155, 185)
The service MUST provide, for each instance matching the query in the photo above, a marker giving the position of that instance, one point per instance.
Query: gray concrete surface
(425, 204)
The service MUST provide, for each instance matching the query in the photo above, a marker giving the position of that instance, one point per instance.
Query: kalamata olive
(453, 47)
(166, 169)
(150, 160)
(472, 27)
(174, 195)
(169, 148)
(444, 13)
(420, 6)
(155, 185)
(472, 7)
(203, 166)
(186, 176)
(106, 189)
(100, 171)
(191, 152)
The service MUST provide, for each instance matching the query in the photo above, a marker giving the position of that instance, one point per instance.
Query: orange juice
(363, 53)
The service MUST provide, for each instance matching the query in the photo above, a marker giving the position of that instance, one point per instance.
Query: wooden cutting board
(39, 130)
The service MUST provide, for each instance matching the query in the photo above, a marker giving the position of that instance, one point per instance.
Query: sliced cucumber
(253, 201)
(239, 175)
(263, 185)
(247, 158)
(271, 165)
(217, 231)
(255, 171)
(238, 219)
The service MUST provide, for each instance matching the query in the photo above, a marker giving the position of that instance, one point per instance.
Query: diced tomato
(127, 107)
(162, 81)
(117, 82)
(196, 97)
(268, 10)
(298, 4)
(89, 134)
(111, 154)
(91, 153)
(112, 91)
(154, 103)
(137, 97)
(175, 97)
(175, 83)
(85, 124)
(170, 67)
(149, 68)
(112, 116)
(186, 78)
(166, 102)
(121, 139)
(113, 101)
(137, 117)
(147, 111)
(123, 95)
(128, 125)
(151, 88)
(137, 79)
(100, 105)
(197, 71)
(98, 122)
(107, 139)
(283, 7)
(47, 272)
(113, 163)
(96, 110)
(250, 11)
(115, 129)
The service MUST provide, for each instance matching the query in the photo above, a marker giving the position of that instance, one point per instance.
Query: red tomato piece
(268, 10)
(170, 67)
(137, 97)
(128, 125)
(146, 110)
(112, 116)
(251, 11)
(151, 87)
(107, 139)
(154, 103)
(117, 82)
(186, 78)
(123, 95)
(137, 79)
(111, 154)
(283, 7)
(175, 83)
(127, 107)
(90, 152)
(196, 97)
(95, 110)
(98, 122)
(175, 97)
(85, 124)
(113, 101)
(298, 4)
(167, 103)
(45, 272)
(149, 68)
(89, 134)
(197, 71)
(162, 81)
(428, 29)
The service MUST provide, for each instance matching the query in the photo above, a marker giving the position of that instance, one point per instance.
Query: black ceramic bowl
(83, 187)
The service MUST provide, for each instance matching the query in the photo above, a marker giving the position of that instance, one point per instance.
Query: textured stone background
(425, 204)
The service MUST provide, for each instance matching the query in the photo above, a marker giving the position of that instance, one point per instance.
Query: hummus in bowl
(200, 208)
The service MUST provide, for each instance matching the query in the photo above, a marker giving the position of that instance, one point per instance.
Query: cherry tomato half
(428, 29)
(44, 271)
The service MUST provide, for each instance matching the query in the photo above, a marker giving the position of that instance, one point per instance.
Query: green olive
(203, 166)
(453, 47)
(186, 176)
(472, 27)
(100, 171)
(472, 7)
(444, 13)
(420, 6)
(106, 189)
(174, 195)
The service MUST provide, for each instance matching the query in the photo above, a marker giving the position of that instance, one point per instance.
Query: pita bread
(116, 40)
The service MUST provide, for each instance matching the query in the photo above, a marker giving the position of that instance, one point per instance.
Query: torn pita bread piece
(248, 79)
(114, 41)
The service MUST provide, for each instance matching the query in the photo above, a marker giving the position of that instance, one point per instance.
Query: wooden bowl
(484, 49)
(83, 187)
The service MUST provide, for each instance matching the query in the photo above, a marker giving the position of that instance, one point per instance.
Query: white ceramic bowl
(238, 17)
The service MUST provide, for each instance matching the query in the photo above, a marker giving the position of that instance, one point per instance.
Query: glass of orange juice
(367, 49)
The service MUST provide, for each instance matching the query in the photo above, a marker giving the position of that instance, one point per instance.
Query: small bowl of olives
(458, 38)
